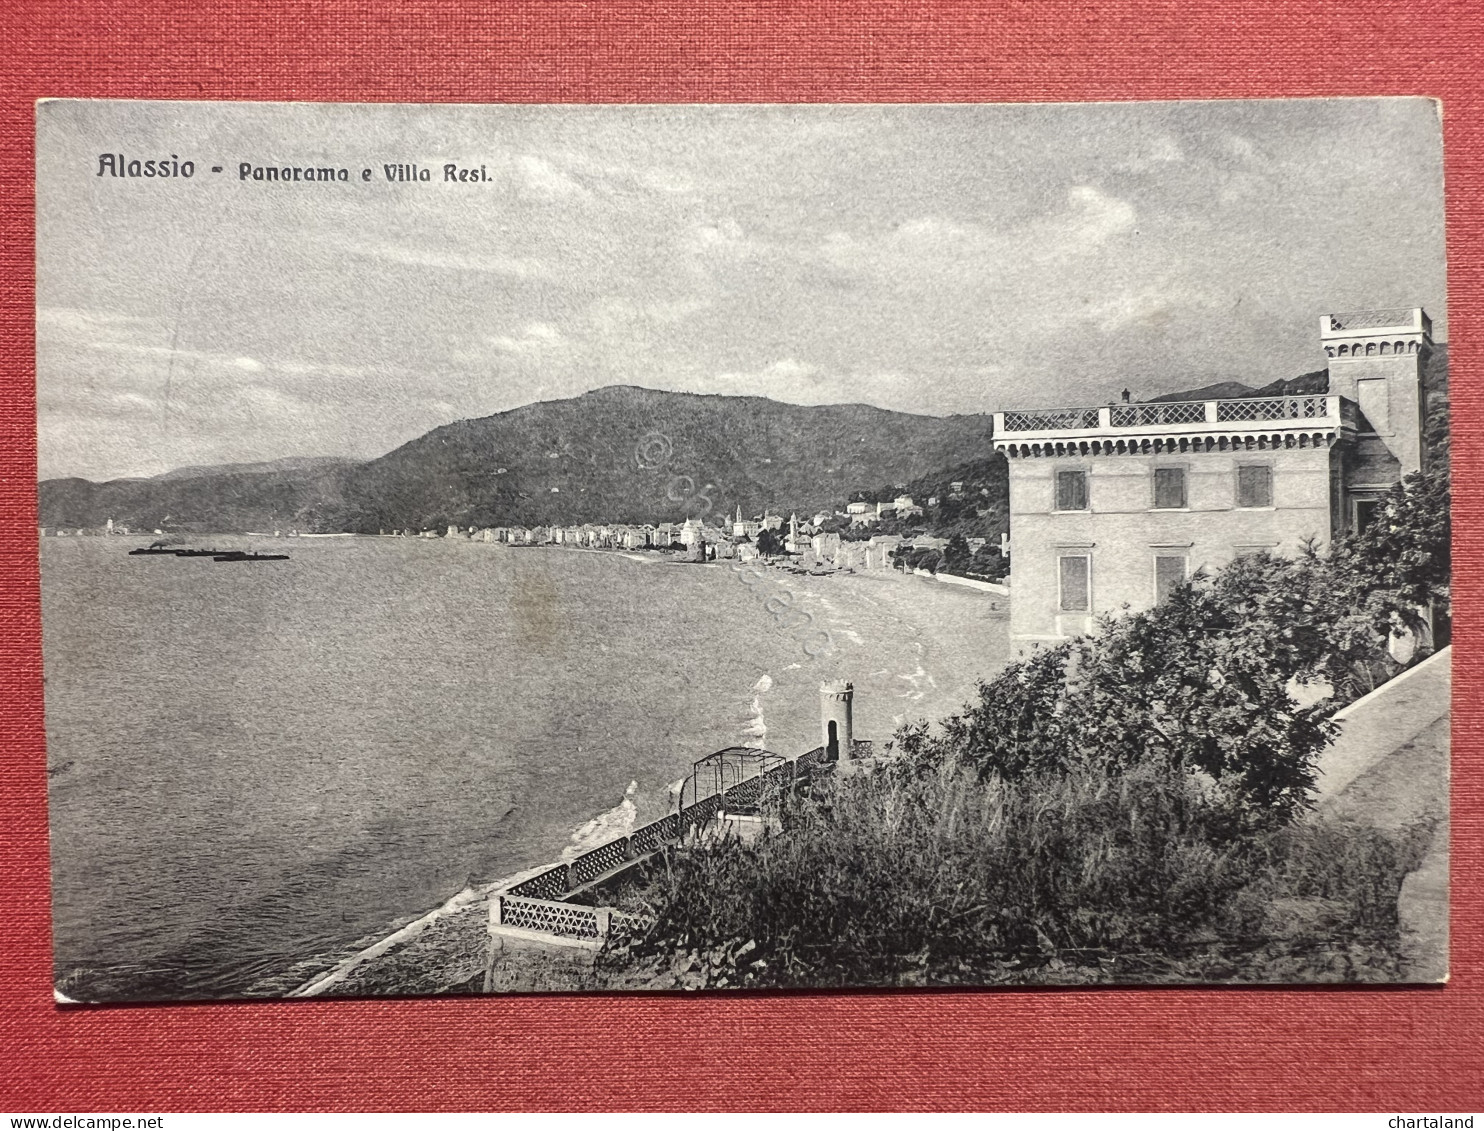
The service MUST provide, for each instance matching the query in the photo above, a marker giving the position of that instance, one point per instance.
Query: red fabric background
(1335, 1049)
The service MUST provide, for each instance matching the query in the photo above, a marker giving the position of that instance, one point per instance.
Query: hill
(576, 460)
(203, 499)
(560, 461)
(594, 458)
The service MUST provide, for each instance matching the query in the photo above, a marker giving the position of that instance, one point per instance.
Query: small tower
(835, 705)
(1376, 358)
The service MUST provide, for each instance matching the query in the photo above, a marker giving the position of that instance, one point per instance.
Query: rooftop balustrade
(1320, 414)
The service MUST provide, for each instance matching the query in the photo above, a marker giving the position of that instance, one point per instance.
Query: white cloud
(800, 382)
(1095, 217)
(535, 337)
(522, 267)
(724, 236)
(546, 180)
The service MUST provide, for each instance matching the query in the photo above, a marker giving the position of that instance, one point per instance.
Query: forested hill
(607, 455)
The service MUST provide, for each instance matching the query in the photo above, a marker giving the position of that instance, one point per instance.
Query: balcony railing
(1051, 420)
(1315, 408)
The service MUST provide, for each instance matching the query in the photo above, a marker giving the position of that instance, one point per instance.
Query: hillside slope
(608, 455)
(594, 457)
(561, 461)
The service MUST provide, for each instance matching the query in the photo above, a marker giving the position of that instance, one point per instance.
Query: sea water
(252, 764)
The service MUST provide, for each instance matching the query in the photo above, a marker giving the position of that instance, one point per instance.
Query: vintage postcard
(529, 548)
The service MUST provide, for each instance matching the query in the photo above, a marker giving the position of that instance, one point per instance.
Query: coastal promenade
(538, 908)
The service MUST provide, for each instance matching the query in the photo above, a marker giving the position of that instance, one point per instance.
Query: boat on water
(244, 556)
(199, 553)
(154, 548)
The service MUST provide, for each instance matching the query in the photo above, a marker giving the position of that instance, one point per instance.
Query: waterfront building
(1115, 506)
(825, 546)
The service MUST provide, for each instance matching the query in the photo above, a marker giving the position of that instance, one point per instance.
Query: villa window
(1071, 490)
(1255, 486)
(1169, 574)
(1169, 488)
(1075, 576)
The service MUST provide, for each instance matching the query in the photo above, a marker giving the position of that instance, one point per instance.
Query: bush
(943, 877)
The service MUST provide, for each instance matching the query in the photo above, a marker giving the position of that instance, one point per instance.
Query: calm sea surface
(256, 764)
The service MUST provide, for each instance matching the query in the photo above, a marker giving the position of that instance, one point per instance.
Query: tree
(988, 563)
(768, 543)
(956, 554)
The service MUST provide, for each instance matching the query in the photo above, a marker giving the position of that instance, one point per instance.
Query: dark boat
(154, 548)
(198, 553)
(243, 556)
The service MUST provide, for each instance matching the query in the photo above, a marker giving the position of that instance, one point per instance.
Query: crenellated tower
(836, 702)
(1376, 359)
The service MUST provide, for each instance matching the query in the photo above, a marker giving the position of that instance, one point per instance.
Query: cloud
(536, 337)
(725, 236)
(521, 267)
(544, 179)
(1150, 306)
(1093, 217)
(800, 382)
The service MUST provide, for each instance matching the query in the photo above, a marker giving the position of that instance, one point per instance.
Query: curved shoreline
(472, 896)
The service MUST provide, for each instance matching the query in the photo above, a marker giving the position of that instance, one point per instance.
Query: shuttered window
(1169, 488)
(1169, 574)
(1071, 490)
(1075, 570)
(1254, 486)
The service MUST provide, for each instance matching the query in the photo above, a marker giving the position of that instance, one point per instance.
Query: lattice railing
(651, 836)
(1370, 319)
(570, 919)
(633, 924)
(702, 811)
(536, 904)
(1274, 408)
(606, 857)
(1165, 412)
(548, 885)
(744, 793)
(1050, 421)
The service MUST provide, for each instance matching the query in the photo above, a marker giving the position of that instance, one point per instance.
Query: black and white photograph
(586, 548)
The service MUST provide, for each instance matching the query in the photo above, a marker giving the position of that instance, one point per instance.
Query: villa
(1115, 506)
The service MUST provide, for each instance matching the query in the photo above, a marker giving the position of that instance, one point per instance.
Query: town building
(1115, 506)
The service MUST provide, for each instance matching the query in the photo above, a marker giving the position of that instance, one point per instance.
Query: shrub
(943, 877)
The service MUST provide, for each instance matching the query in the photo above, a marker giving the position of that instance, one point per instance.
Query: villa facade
(1114, 506)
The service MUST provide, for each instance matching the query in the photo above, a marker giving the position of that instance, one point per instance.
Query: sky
(930, 259)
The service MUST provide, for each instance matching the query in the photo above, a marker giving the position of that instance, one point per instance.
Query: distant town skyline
(929, 259)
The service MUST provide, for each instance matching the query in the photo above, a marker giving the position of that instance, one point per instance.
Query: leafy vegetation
(1126, 806)
(941, 877)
